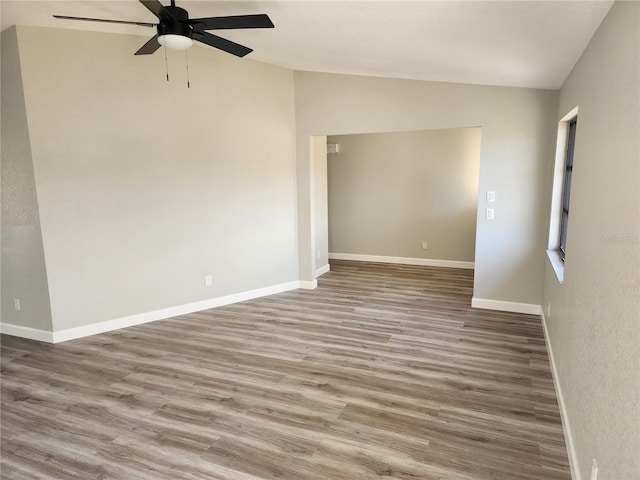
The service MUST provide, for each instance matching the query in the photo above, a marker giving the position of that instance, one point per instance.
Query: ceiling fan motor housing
(175, 23)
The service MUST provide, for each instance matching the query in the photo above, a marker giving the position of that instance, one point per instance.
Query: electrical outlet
(491, 196)
(594, 470)
(208, 280)
(16, 304)
(425, 245)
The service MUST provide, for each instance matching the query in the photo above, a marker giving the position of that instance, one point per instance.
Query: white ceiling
(511, 43)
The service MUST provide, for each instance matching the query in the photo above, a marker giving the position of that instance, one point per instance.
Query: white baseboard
(568, 438)
(323, 270)
(307, 284)
(503, 306)
(26, 332)
(426, 262)
(129, 321)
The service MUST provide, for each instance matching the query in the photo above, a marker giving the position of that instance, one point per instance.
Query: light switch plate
(490, 214)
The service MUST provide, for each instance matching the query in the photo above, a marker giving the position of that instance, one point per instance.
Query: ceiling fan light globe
(175, 42)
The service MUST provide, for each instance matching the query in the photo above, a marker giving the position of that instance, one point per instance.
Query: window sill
(557, 264)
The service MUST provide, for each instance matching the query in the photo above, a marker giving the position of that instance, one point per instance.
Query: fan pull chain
(186, 60)
(166, 64)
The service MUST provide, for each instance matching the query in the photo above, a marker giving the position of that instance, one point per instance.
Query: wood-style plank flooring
(384, 371)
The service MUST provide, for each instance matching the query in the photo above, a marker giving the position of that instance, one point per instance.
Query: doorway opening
(399, 197)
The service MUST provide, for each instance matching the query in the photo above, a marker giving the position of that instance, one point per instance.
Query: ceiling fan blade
(148, 48)
(221, 43)
(142, 24)
(156, 8)
(236, 21)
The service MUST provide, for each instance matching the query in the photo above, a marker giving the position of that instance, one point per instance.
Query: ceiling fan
(177, 31)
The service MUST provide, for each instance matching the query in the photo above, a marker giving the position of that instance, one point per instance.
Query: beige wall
(129, 189)
(594, 326)
(146, 186)
(24, 276)
(318, 158)
(518, 134)
(389, 192)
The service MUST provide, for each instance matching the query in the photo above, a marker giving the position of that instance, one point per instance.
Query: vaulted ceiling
(511, 43)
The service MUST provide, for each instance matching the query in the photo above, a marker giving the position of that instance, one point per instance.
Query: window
(560, 196)
(566, 187)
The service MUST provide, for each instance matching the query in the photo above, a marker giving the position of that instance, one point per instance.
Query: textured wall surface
(24, 276)
(518, 135)
(146, 186)
(594, 324)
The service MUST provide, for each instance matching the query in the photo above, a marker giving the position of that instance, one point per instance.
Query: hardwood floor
(383, 371)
